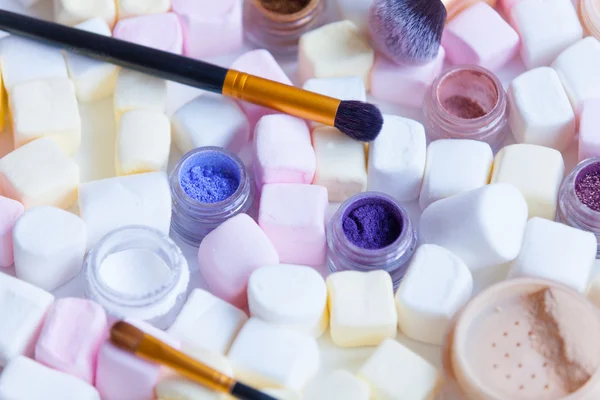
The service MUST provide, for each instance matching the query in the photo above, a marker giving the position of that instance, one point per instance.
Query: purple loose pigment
(372, 225)
(208, 183)
(587, 187)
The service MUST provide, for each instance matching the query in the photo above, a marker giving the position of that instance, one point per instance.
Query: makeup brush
(360, 121)
(133, 340)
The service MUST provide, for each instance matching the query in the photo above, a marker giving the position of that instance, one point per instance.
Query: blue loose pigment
(209, 183)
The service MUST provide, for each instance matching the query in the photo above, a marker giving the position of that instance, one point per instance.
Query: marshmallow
(406, 85)
(143, 142)
(73, 12)
(292, 296)
(262, 64)
(159, 31)
(22, 311)
(335, 50)
(93, 79)
(341, 164)
(344, 88)
(39, 173)
(577, 69)
(293, 218)
(338, 385)
(210, 121)
(354, 321)
(63, 347)
(134, 8)
(356, 11)
(436, 285)
(108, 204)
(201, 310)
(135, 91)
(221, 21)
(283, 151)
(484, 227)
(10, 211)
(26, 379)
(266, 355)
(49, 246)
(228, 255)
(394, 372)
(546, 28)
(536, 171)
(479, 35)
(589, 140)
(556, 252)
(455, 166)
(46, 108)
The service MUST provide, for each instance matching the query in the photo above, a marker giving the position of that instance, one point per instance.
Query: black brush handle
(245, 392)
(140, 58)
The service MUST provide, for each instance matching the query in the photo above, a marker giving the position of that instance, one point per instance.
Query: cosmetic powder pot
(371, 231)
(589, 15)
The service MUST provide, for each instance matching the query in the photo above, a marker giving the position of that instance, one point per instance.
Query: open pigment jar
(467, 102)
(137, 272)
(209, 185)
(371, 231)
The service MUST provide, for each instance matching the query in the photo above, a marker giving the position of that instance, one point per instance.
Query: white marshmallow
(134, 8)
(354, 321)
(210, 121)
(484, 227)
(73, 12)
(344, 88)
(201, 310)
(540, 111)
(293, 296)
(397, 158)
(556, 252)
(49, 246)
(143, 142)
(108, 204)
(338, 385)
(455, 166)
(546, 28)
(94, 80)
(46, 108)
(341, 164)
(356, 11)
(135, 91)
(394, 372)
(22, 311)
(436, 285)
(266, 355)
(24, 378)
(39, 173)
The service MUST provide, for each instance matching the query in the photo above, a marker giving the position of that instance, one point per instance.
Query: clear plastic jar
(589, 14)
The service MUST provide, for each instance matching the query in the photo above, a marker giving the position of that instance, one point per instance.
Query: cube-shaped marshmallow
(229, 254)
(407, 375)
(135, 91)
(159, 31)
(343, 88)
(143, 142)
(73, 12)
(436, 285)
(356, 11)
(335, 50)
(546, 28)
(338, 385)
(556, 252)
(455, 166)
(10, 211)
(64, 347)
(49, 246)
(589, 135)
(406, 85)
(221, 21)
(536, 171)
(39, 173)
(267, 355)
(24, 378)
(293, 296)
(203, 309)
(283, 158)
(355, 322)
(341, 164)
(22, 311)
(210, 121)
(134, 8)
(94, 80)
(46, 108)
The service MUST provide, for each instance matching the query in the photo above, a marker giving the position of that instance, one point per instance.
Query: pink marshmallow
(283, 151)
(404, 84)
(229, 254)
(221, 21)
(480, 36)
(71, 337)
(293, 217)
(159, 31)
(10, 211)
(260, 63)
(589, 130)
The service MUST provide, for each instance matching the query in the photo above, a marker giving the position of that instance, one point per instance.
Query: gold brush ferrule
(278, 96)
(454, 7)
